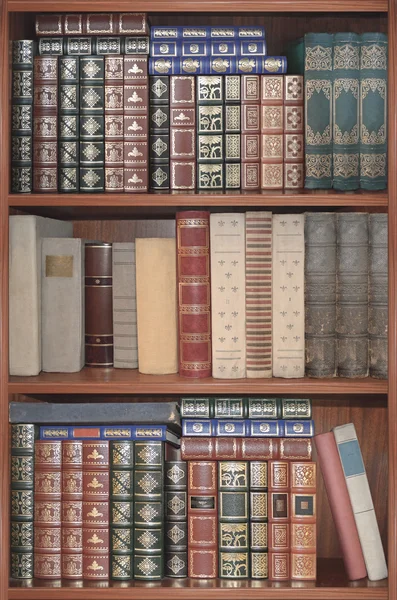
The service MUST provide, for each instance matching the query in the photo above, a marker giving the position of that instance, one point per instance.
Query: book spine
(114, 125)
(373, 111)
(318, 110)
(288, 282)
(92, 124)
(346, 109)
(254, 448)
(264, 408)
(250, 132)
(175, 532)
(203, 519)
(72, 494)
(202, 408)
(352, 294)
(148, 510)
(48, 24)
(93, 45)
(232, 135)
(272, 136)
(183, 133)
(69, 114)
(136, 45)
(136, 123)
(45, 124)
(22, 116)
(53, 46)
(210, 132)
(303, 520)
(341, 509)
(230, 408)
(193, 276)
(124, 306)
(215, 65)
(121, 509)
(233, 506)
(159, 93)
(47, 509)
(296, 408)
(361, 501)
(247, 427)
(96, 486)
(22, 501)
(377, 299)
(228, 295)
(130, 432)
(203, 33)
(320, 294)
(98, 305)
(279, 521)
(258, 294)
(258, 519)
(294, 174)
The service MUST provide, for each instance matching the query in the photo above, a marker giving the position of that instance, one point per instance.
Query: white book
(62, 306)
(361, 501)
(124, 306)
(26, 233)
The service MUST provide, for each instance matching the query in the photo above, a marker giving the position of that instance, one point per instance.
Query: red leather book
(72, 491)
(92, 24)
(45, 124)
(272, 137)
(341, 509)
(183, 132)
(193, 272)
(202, 519)
(114, 107)
(95, 516)
(136, 123)
(98, 305)
(225, 448)
(47, 509)
(293, 132)
(279, 520)
(250, 132)
(303, 520)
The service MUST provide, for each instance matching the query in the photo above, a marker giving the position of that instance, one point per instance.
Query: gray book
(320, 294)
(124, 306)
(352, 294)
(378, 290)
(62, 309)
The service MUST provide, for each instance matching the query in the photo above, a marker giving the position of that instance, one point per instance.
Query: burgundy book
(114, 108)
(193, 274)
(250, 132)
(92, 24)
(272, 137)
(183, 132)
(202, 519)
(303, 520)
(293, 132)
(47, 509)
(250, 448)
(72, 492)
(98, 305)
(45, 124)
(279, 520)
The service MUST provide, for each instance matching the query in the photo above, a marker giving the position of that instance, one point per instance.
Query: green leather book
(373, 110)
(121, 496)
(175, 505)
(318, 110)
(295, 54)
(346, 63)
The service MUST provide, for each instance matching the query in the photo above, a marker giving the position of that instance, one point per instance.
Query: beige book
(124, 306)
(156, 305)
(26, 233)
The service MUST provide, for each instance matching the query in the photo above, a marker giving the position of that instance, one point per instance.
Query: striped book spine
(258, 293)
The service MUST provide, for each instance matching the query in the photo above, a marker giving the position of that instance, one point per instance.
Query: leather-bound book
(96, 485)
(98, 305)
(258, 519)
(136, 123)
(159, 152)
(69, 106)
(250, 132)
(124, 306)
(246, 448)
(279, 520)
(78, 24)
(47, 509)
(193, 272)
(303, 517)
(203, 519)
(21, 506)
(377, 299)
(272, 137)
(210, 129)
(243, 408)
(72, 491)
(114, 109)
(232, 135)
(183, 132)
(45, 124)
(175, 527)
(233, 520)
(294, 175)
(22, 116)
(121, 509)
(148, 510)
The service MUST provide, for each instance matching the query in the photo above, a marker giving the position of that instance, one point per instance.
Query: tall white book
(62, 307)
(25, 241)
(124, 306)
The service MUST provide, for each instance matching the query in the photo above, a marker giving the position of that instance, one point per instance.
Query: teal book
(373, 111)
(295, 54)
(318, 110)
(346, 83)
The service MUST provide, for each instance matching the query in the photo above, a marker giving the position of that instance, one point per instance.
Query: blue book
(299, 428)
(201, 33)
(114, 432)
(247, 428)
(198, 427)
(200, 49)
(235, 428)
(265, 428)
(226, 65)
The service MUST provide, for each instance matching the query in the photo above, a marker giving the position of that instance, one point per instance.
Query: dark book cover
(279, 520)
(159, 142)
(250, 132)
(175, 534)
(69, 105)
(114, 109)
(210, 132)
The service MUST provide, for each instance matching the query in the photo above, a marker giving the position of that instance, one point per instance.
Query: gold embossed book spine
(183, 132)
(114, 123)
(69, 114)
(250, 132)
(175, 531)
(232, 135)
(71, 509)
(159, 151)
(210, 132)
(294, 175)
(272, 137)
(279, 521)
(258, 519)
(303, 520)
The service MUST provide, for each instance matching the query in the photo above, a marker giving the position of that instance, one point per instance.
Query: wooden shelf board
(125, 381)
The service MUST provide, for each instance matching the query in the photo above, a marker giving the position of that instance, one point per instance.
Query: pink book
(341, 509)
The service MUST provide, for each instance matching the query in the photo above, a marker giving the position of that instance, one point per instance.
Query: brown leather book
(250, 132)
(303, 520)
(279, 520)
(114, 107)
(234, 448)
(98, 305)
(72, 492)
(202, 519)
(183, 132)
(272, 138)
(294, 144)
(92, 24)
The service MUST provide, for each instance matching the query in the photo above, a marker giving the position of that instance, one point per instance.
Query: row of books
(290, 295)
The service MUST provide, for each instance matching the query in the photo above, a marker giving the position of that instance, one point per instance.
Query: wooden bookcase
(370, 404)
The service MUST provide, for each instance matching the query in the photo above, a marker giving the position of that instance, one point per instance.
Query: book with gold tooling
(159, 153)
(114, 123)
(175, 528)
(272, 137)
(303, 520)
(250, 132)
(72, 496)
(183, 132)
(258, 533)
(279, 520)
